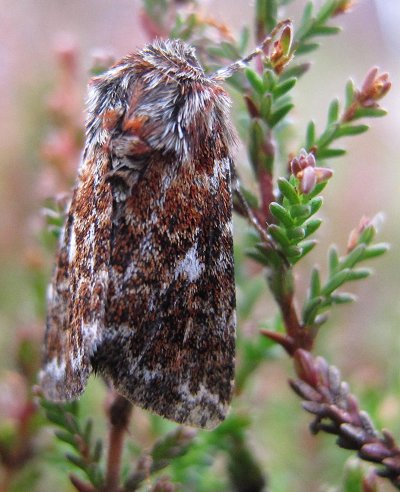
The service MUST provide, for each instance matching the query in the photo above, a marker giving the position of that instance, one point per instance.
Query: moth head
(161, 99)
(174, 59)
(185, 108)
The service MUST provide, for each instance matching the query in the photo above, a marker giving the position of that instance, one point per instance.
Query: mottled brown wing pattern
(169, 338)
(143, 291)
(77, 294)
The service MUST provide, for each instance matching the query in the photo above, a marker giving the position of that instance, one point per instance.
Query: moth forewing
(77, 294)
(143, 290)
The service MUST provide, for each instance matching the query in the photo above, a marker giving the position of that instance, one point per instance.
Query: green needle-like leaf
(315, 284)
(315, 204)
(311, 226)
(375, 250)
(351, 130)
(330, 153)
(284, 87)
(288, 191)
(359, 274)
(281, 214)
(342, 298)
(279, 114)
(296, 234)
(255, 80)
(300, 212)
(305, 48)
(279, 234)
(66, 437)
(310, 135)
(333, 260)
(336, 281)
(353, 257)
(333, 112)
(310, 310)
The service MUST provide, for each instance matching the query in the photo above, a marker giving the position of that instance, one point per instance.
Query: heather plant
(278, 209)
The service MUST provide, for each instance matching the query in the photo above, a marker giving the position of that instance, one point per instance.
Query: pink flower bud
(374, 87)
(303, 167)
(308, 180)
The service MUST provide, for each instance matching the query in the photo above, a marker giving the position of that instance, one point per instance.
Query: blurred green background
(362, 339)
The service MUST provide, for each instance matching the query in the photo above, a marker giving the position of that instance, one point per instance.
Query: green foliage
(340, 125)
(294, 223)
(315, 25)
(341, 270)
(267, 98)
(86, 452)
(356, 479)
(168, 448)
(253, 353)
(283, 219)
(156, 9)
(335, 128)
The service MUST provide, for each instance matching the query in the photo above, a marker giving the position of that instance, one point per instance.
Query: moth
(143, 288)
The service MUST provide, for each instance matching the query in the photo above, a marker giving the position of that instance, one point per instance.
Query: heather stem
(7, 479)
(280, 280)
(265, 19)
(265, 180)
(253, 218)
(120, 413)
(290, 318)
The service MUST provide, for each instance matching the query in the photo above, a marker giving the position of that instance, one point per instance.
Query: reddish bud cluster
(355, 234)
(305, 170)
(375, 87)
(280, 54)
(336, 411)
(344, 7)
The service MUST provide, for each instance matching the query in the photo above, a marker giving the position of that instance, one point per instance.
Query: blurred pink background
(31, 30)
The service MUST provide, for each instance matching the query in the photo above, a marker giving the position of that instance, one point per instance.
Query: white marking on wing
(188, 329)
(72, 246)
(54, 369)
(190, 265)
(204, 405)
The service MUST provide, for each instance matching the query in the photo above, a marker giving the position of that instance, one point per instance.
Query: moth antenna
(226, 72)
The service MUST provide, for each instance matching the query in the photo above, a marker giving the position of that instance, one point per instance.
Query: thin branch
(120, 413)
(337, 412)
(245, 210)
